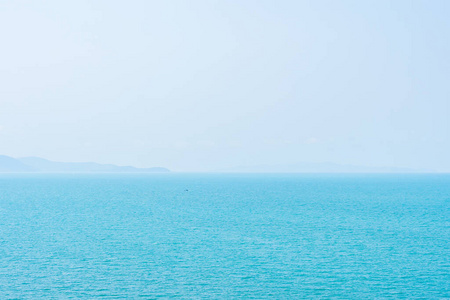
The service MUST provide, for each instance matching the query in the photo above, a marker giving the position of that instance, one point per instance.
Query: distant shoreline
(40, 165)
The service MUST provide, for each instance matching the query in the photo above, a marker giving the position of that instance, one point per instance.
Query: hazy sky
(204, 85)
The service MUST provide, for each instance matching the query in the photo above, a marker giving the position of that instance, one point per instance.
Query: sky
(209, 85)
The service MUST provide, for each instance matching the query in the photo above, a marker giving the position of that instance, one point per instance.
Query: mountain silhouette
(37, 164)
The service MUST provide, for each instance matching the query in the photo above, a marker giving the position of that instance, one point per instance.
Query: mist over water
(201, 86)
(224, 236)
(100, 99)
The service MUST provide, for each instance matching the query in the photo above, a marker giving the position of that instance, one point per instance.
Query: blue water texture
(224, 236)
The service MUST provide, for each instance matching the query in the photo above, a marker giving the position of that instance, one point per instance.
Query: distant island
(325, 167)
(37, 164)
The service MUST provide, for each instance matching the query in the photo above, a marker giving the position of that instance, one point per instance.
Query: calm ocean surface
(224, 236)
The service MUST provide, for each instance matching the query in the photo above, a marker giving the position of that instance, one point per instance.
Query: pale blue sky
(205, 85)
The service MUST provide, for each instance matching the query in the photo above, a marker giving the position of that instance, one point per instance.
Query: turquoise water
(225, 236)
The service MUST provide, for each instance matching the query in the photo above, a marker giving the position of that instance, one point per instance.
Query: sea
(224, 236)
